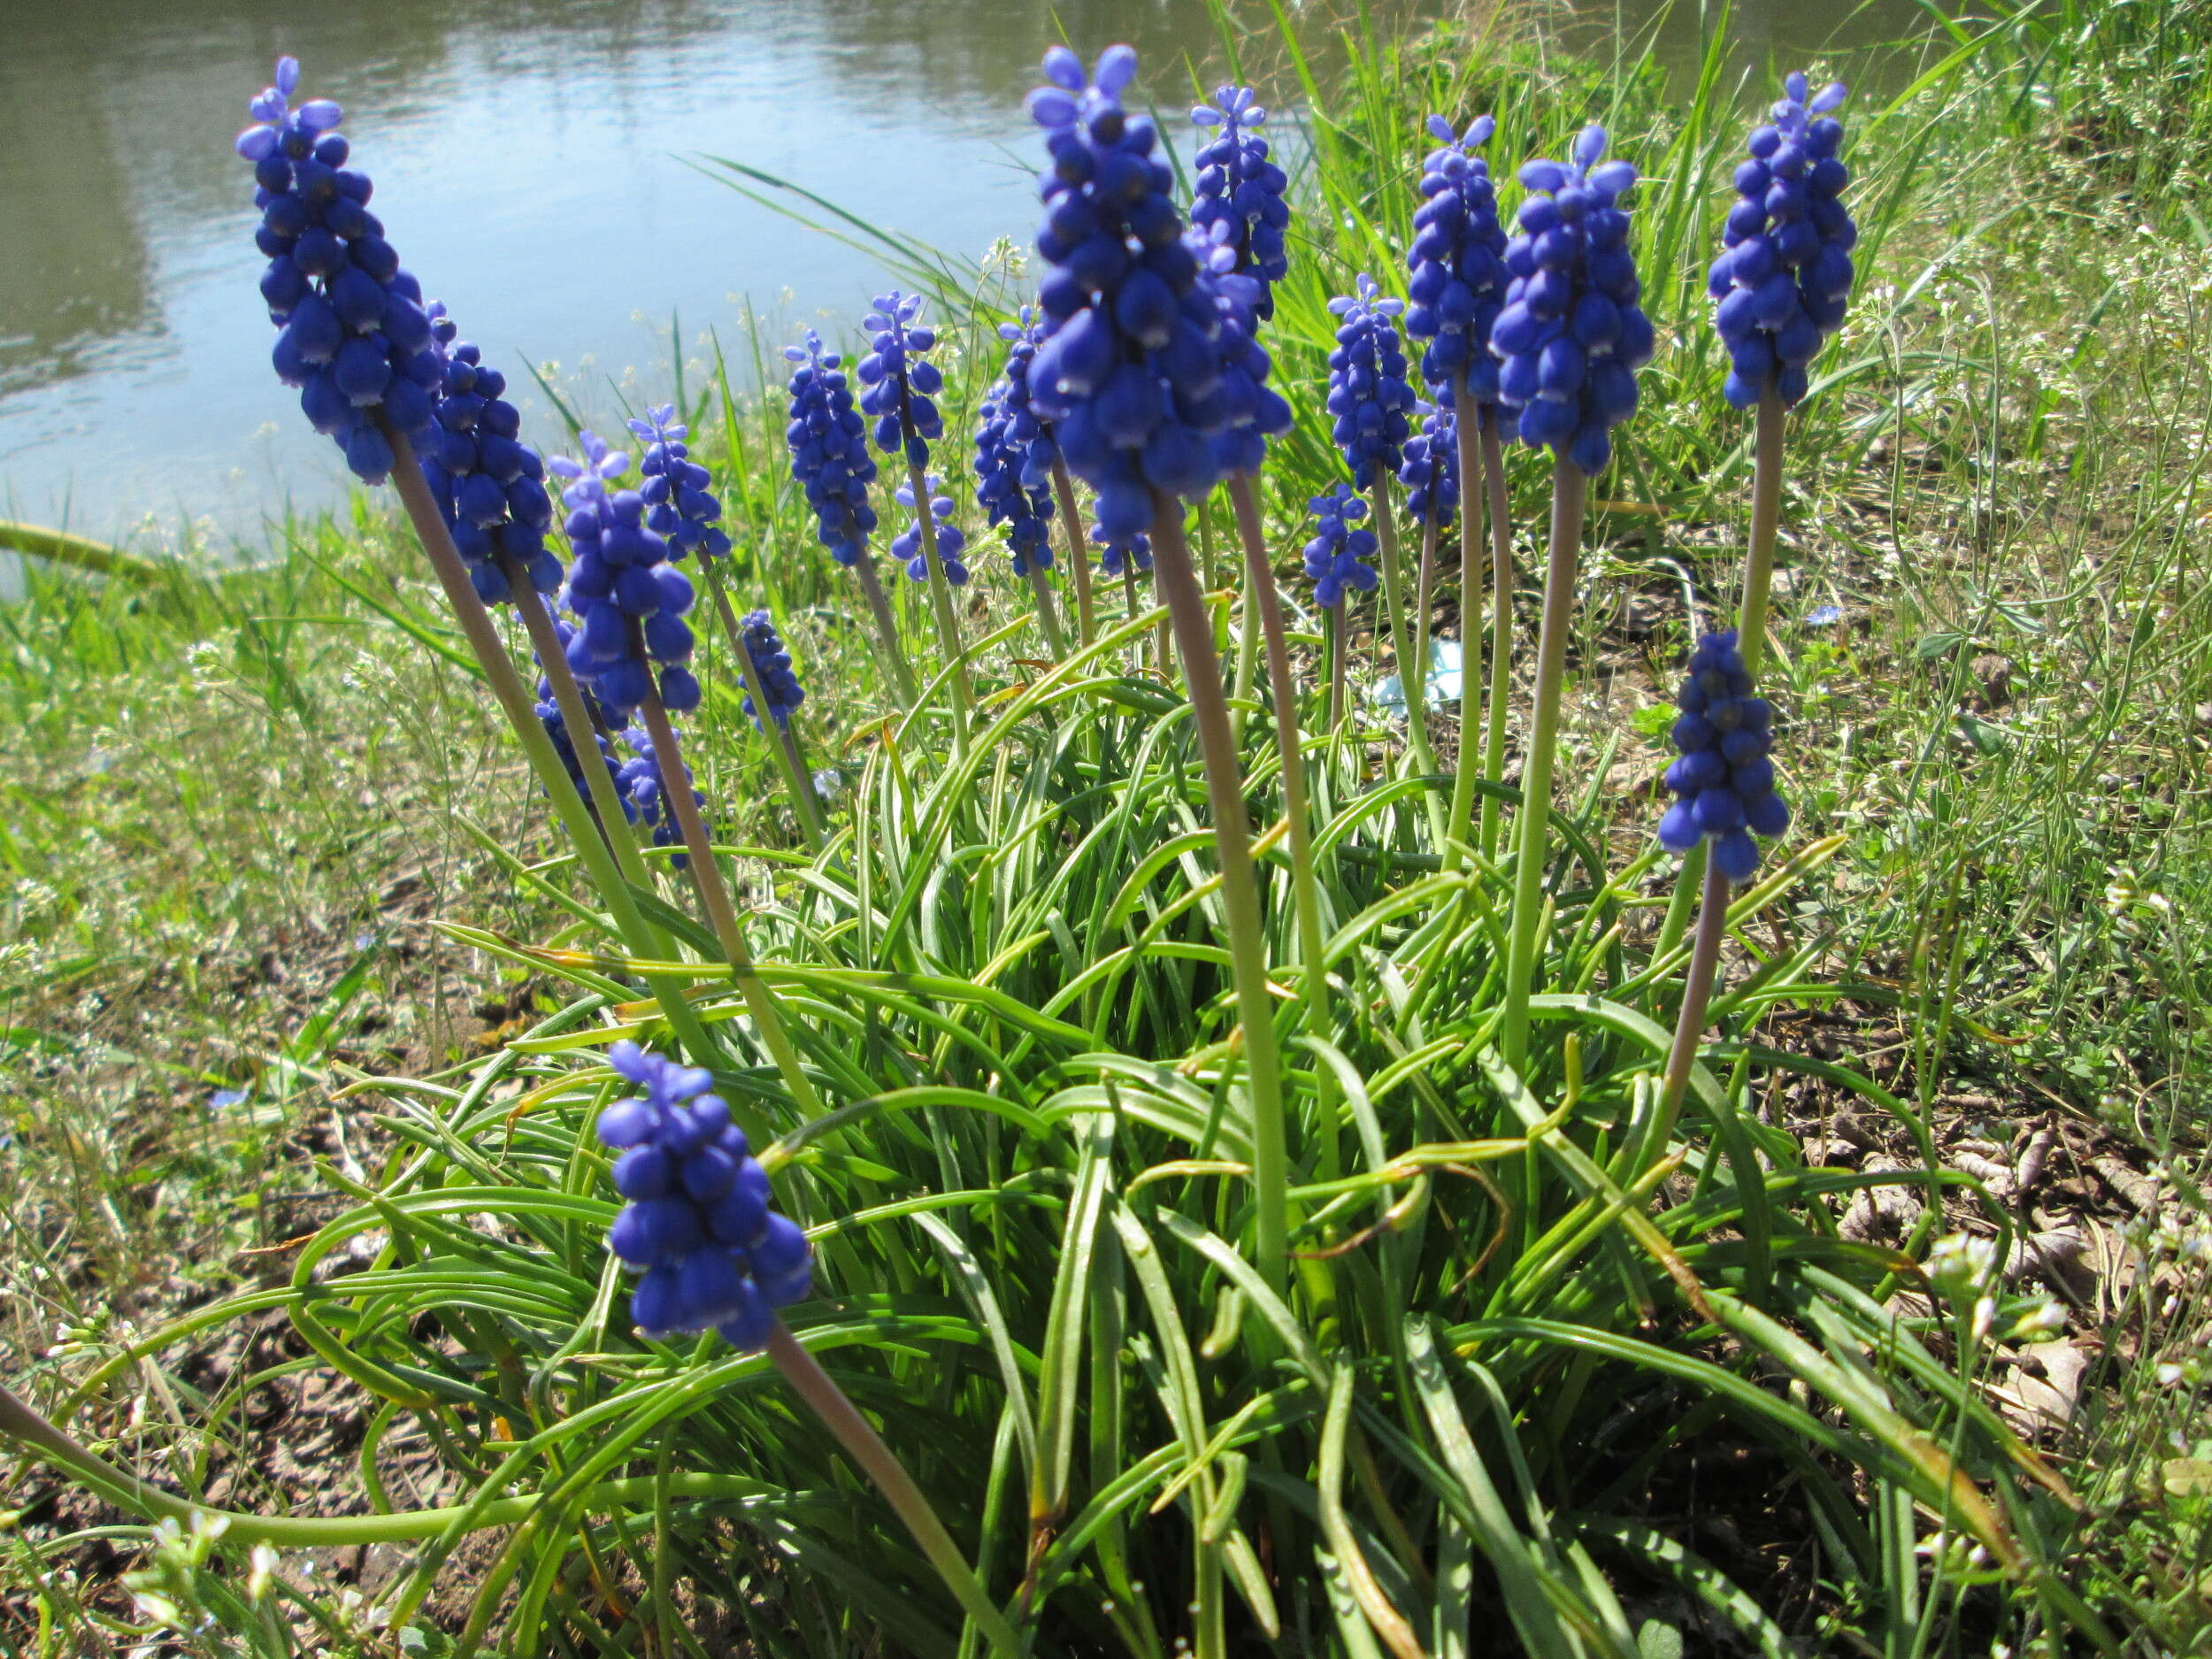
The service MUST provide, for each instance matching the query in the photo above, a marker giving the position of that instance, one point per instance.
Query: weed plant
(1543, 1364)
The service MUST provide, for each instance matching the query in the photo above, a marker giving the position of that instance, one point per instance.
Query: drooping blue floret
(1724, 783)
(354, 334)
(1014, 452)
(772, 664)
(1784, 277)
(697, 1219)
(1257, 411)
(1239, 197)
(907, 546)
(489, 484)
(644, 793)
(1455, 269)
(678, 505)
(1338, 558)
(628, 599)
(900, 385)
(1430, 470)
(1369, 401)
(1118, 554)
(829, 450)
(1571, 335)
(1128, 369)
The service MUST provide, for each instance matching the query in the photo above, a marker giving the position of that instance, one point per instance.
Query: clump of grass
(1522, 1312)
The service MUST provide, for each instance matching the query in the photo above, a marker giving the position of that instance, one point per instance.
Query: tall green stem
(1499, 512)
(887, 626)
(1766, 518)
(520, 709)
(1413, 667)
(1078, 554)
(1240, 890)
(940, 599)
(1468, 429)
(795, 781)
(760, 1002)
(1048, 614)
(838, 1414)
(1338, 628)
(1697, 992)
(1570, 492)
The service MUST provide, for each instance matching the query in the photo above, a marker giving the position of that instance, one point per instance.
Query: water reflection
(529, 159)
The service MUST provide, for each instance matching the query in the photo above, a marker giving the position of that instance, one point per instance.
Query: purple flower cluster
(678, 506)
(1014, 452)
(1430, 470)
(772, 664)
(1336, 558)
(489, 485)
(1724, 783)
(1369, 396)
(1241, 447)
(1129, 372)
(1117, 554)
(829, 450)
(697, 1221)
(1784, 278)
(1239, 199)
(563, 745)
(907, 545)
(1571, 335)
(1456, 283)
(355, 336)
(899, 384)
(644, 793)
(628, 599)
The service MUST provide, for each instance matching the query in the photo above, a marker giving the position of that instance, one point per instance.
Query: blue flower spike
(907, 547)
(1129, 372)
(1339, 558)
(1430, 469)
(680, 506)
(698, 1220)
(773, 662)
(628, 599)
(1783, 280)
(489, 484)
(353, 334)
(644, 793)
(1571, 335)
(1370, 400)
(1120, 554)
(1014, 453)
(899, 383)
(1239, 197)
(1456, 268)
(1724, 783)
(829, 450)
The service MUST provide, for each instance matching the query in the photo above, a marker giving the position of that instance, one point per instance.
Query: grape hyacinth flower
(680, 507)
(644, 793)
(1368, 393)
(698, 1220)
(1120, 554)
(1724, 783)
(829, 450)
(1257, 412)
(1128, 363)
(907, 546)
(772, 664)
(1014, 453)
(1784, 278)
(1571, 335)
(1430, 470)
(899, 384)
(489, 485)
(628, 599)
(353, 334)
(1239, 194)
(1455, 269)
(1337, 556)
(563, 744)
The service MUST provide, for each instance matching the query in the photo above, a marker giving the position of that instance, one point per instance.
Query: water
(531, 162)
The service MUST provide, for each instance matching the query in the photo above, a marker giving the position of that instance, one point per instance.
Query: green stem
(1464, 428)
(823, 1397)
(1239, 891)
(1048, 614)
(1413, 669)
(887, 626)
(1078, 554)
(520, 709)
(1337, 626)
(760, 1002)
(940, 599)
(1499, 512)
(795, 781)
(1766, 518)
(1689, 1025)
(1570, 492)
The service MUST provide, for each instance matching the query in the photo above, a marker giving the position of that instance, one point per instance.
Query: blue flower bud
(1723, 782)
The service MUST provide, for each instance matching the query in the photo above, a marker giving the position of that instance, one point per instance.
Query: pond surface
(532, 161)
